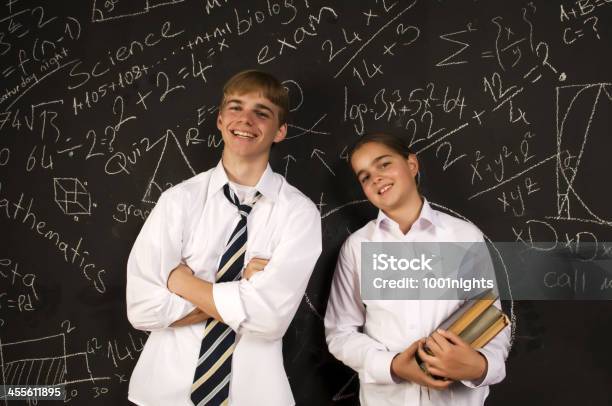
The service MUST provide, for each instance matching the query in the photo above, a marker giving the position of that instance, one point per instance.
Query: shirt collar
(265, 185)
(430, 215)
(427, 215)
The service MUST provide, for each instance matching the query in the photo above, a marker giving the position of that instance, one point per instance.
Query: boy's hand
(405, 367)
(452, 357)
(195, 316)
(176, 275)
(255, 265)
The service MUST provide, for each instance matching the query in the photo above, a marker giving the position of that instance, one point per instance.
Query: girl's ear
(413, 164)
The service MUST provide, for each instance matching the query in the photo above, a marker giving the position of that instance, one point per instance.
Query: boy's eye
(261, 114)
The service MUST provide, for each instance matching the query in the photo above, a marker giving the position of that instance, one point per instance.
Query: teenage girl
(379, 338)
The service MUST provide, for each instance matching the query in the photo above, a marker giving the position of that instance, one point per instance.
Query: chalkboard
(105, 104)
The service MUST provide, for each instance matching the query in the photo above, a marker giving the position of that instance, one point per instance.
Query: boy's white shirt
(390, 326)
(191, 223)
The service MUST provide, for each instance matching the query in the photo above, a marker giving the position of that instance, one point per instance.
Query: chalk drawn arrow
(288, 158)
(319, 154)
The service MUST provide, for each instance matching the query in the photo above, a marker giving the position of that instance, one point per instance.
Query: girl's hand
(452, 357)
(404, 366)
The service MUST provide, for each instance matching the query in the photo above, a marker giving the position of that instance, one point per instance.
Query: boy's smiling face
(249, 124)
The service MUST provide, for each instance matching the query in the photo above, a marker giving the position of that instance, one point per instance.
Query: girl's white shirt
(366, 334)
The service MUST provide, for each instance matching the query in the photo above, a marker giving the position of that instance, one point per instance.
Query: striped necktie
(212, 375)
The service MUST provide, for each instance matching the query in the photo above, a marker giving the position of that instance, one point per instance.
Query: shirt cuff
(378, 367)
(228, 303)
(488, 375)
(177, 309)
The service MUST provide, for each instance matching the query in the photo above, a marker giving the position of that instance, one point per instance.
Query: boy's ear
(219, 126)
(281, 133)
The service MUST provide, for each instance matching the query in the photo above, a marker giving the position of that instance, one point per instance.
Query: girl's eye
(385, 164)
(365, 178)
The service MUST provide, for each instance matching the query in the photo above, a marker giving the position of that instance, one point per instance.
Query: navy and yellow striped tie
(212, 375)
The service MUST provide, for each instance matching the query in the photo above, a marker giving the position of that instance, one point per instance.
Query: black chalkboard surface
(105, 104)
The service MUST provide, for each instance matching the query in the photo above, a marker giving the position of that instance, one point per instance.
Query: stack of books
(477, 322)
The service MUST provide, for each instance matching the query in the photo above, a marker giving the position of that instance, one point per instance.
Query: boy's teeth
(243, 134)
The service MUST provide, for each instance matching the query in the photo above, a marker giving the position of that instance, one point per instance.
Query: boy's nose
(247, 117)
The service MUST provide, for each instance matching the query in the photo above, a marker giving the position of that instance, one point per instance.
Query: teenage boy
(221, 264)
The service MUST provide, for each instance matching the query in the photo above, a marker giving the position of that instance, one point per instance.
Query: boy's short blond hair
(256, 81)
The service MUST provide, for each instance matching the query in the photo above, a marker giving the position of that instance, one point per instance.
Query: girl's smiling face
(386, 177)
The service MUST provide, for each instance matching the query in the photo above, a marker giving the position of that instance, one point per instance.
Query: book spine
(480, 306)
(480, 324)
(491, 332)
